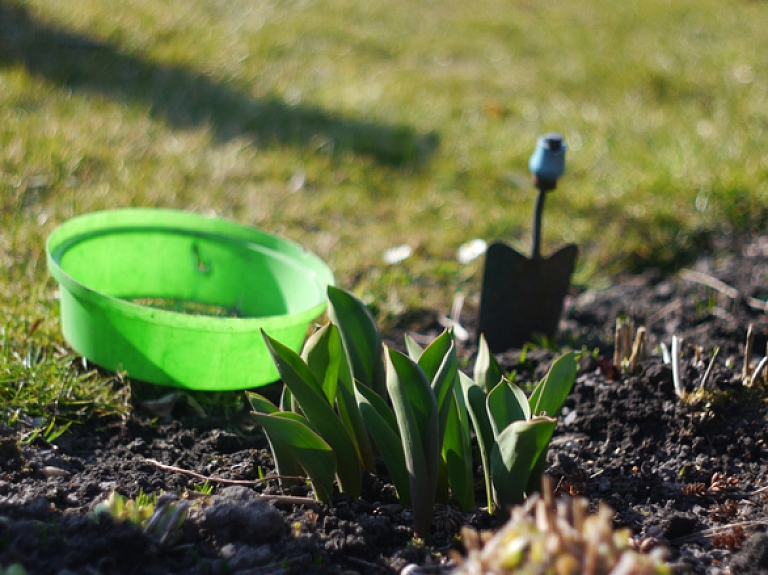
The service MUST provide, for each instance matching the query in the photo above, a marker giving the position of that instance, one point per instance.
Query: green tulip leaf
(382, 425)
(457, 453)
(260, 403)
(414, 349)
(548, 397)
(415, 408)
(506, 403)
(309, 395)
(361, 338)
(487, 373)
(290, 435)
(322, 353)
(514, 456)
(349, 413)
(440, 365)
(475, 401)
(285, 462)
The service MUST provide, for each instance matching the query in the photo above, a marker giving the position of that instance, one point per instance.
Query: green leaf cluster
(161, 516)
(513, 431)
(349, 398)
(319, 429)
(137, 511)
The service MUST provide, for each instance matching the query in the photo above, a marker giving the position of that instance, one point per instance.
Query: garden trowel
(523, 297)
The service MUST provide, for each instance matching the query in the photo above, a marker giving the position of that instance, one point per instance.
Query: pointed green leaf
(285, 462)
(457, 453)
(413, 400)
(506, 403)
(292, 435)
(307, 392)
(487, 373)
(260, 403)
(414, 349)
(349, 412)
(286, 401)
(415, 408)
(291, 366)
(440, 365)
(475, 401)
(551, 393)
(382, 425)
(322, 353)
(361, 338)
(514, 455)
(432, 357)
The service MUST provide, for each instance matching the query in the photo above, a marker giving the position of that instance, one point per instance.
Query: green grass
(408, 122)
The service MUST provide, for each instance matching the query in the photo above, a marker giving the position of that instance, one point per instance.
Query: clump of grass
(42, 381)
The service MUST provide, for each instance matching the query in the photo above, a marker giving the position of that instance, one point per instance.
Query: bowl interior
(209, 273)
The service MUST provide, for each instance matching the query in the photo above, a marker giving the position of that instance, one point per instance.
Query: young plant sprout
(560, 538)
(138, 511)
(162, 516)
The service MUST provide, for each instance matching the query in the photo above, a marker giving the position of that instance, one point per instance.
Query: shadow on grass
(656, 240)
(186, 98)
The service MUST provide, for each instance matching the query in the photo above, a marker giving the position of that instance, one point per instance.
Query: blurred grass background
(353, 127)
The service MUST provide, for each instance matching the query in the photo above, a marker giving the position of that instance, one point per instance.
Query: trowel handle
(547, 164)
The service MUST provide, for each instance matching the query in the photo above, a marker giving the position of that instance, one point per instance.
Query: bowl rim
(121, 220)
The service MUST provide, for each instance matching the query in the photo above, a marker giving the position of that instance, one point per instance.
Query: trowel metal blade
(522, 297)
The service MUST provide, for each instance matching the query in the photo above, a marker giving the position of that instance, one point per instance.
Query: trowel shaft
(537, 213)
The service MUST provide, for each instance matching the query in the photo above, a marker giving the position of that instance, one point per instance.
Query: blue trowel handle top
(548, 159)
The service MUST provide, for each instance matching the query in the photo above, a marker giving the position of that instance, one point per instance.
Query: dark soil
(689, 474)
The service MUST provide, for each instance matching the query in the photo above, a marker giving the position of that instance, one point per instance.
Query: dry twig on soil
(290, 499)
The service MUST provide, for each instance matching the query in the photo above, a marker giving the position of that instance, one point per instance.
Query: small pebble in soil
(236, 514)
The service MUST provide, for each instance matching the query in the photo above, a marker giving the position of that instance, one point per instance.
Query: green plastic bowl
(178, 299)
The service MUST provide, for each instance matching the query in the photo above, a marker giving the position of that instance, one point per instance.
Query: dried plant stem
(629, 334)
(232, 482)
(625, 332)
(675, 357)
(746, 372)
(759, 369)
(758, 304)
(724, 314)
(709, 281)
(638, 350)
(715, 530)
(708, 373)
(723, 288)
(454, 321)
(665, 357)
(618, 339)
(664, 312)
